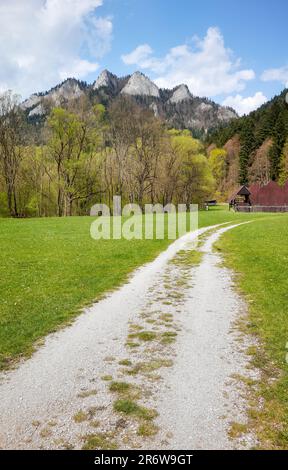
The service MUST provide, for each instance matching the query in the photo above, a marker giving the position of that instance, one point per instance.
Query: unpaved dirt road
(169, 334)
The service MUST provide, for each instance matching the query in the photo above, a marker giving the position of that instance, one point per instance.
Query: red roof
(269, 195)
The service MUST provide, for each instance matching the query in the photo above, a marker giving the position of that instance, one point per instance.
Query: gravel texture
(201, 398)
(195, 395)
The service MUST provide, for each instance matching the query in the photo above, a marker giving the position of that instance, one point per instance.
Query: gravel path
(201, 398)
(60, 396)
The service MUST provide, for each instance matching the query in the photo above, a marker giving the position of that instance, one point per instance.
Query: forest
(253, 148)
(84, 154)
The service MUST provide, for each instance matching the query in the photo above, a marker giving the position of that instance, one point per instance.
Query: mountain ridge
(177, 106)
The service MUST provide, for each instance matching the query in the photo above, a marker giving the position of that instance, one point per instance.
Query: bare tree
(147, 133)
(119, 138)
(11, 126)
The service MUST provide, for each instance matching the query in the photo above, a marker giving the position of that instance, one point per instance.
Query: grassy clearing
(50, 269)
(258, 253)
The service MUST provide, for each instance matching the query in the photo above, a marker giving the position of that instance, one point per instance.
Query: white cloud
(138, 56)
(245, 105)
(79, 68)
(44, 41)
(208, 68)
(279, 75)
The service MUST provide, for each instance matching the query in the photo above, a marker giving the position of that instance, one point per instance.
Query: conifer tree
(279, 135)
(248, 144)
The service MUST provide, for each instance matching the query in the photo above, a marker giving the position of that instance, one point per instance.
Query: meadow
(258, 253)
(50, 268)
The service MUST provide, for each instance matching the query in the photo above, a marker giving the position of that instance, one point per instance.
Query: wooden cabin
(260, 198)
(241, 198)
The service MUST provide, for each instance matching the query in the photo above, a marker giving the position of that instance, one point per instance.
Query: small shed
(210, 203)
(261, 198)
(241, 197)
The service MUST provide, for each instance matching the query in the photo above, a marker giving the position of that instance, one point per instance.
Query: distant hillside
(256, 146)
(178, 107)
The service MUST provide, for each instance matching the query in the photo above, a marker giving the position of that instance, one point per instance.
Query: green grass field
(258, 252)
(51, 268)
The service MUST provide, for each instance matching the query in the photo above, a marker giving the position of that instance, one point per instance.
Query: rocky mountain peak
(106, 79)
(140, 85)
(226, 114)
(70, 89)
(33, 100)
(180, 93)
(178, 107)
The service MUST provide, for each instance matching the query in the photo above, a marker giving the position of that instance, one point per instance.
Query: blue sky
(234, 52)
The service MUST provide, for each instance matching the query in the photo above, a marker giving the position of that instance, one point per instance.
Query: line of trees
(263, 139)
(88, 154)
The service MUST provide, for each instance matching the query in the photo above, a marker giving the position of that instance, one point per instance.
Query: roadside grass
(126, 390)
(130, 407)
(148, 367)
(119, 387)
(125, 362)
(51, 268)
(106, 378)
(143, 335)
(99, 441)
(87, 393)
(80, 416)
(147, 429)
(258, 253)
(191, 258)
